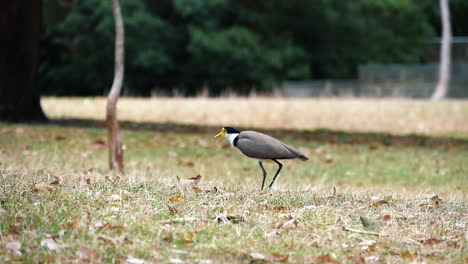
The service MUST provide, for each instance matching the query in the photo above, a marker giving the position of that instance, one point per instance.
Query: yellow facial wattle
(221, 134)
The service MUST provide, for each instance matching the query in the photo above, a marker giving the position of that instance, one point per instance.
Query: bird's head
(226, 131)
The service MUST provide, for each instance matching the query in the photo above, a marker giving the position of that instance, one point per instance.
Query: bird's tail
(297, 153)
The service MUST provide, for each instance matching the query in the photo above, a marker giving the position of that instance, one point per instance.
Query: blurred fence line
(412, 81)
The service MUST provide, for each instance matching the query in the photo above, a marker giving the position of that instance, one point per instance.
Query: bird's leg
(277, 172)
(264, 173)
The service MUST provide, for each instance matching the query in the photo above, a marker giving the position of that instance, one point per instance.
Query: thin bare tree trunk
(445, 51)
(113, 134)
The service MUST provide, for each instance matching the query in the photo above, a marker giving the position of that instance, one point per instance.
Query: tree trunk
(20, 31)
(113, 134)
(441, 89)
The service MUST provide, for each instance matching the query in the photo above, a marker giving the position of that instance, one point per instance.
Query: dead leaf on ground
(55, 182)
(97, 144)
(187, 163)
(318, 150)
(385, 218)
(292, 222)
(431, 241)
(325, 259)
(42, 187)
(436, 200)
(276, 207)
(356, 259)
(60, 137)
(176, 198)
(279, 258)
(71, 224)
(383, 202)
(172, 209)
(367, 245)
(195, 178)
(197, 190)
(13, 248)
(168, 239)
(257, 256)
(50, 244)
(328, 160)
(132, 260)
(4, 212)
(86, 253)
(98, 224)
(407, 255)
(107, 239)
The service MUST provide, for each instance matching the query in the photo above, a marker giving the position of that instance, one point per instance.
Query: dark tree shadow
(373, 139)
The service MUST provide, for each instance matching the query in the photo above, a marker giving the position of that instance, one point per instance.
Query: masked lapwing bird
(262, 147)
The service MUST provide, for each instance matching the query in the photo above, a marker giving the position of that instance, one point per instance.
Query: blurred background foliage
(189, 45)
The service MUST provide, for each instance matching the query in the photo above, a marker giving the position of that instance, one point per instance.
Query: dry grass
(396, 116)
(59, 204)
(96, 217)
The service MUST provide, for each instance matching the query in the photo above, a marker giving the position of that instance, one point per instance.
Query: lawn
(376, 193)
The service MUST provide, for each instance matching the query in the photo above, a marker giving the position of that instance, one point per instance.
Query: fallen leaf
(275, 207)
(385, 218)
(287, 224)
(356, 259)
(86, 253)
(4, 212)
(175, 260)
(373, 146)
(195, 178)
(71, 224)
(328, 160)
(436, 200)
(257, 256)
(372, 258)
(279, 257)
(56, 182)
(115, 197)
(132, 260)
(107, 239)
(177, 251)
(197, 190)
(172, 209)
(97, 144)
(187, 163)
(168, 239)
(42, 187)
(383, 202)
(13, 248)
(431, 242)
(176, 198)
(325, 259)
(98, 224)
(50, 244)
(60, 137)
(407, 255)
(318, 150)
(367, 245)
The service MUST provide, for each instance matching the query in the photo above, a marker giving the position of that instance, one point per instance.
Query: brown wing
(261, 146)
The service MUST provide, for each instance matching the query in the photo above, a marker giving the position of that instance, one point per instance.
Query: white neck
(231, 137)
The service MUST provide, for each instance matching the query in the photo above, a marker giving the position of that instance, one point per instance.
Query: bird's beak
(220, 135)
